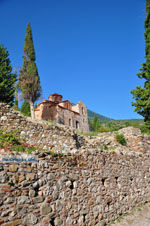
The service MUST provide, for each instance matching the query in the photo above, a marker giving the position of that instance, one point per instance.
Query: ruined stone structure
(91, 186)
(63, 112)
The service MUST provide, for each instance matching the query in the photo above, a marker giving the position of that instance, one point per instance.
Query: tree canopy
(7, 78)
(142, 94)
(29, 81)
(25, 108)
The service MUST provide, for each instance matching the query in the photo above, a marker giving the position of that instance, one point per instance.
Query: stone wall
(91, 187)
(41, 133)
(83, 190)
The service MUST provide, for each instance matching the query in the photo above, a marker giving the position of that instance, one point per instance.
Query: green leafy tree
(95, 124)
(7, 78)
(29, 81)
(25, 108)
(147, 4)
(142, 95)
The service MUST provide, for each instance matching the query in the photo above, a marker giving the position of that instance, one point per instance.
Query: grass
(120, 218)
(90, 134)
(11, 141)
(103, 147)
(7, 138)
(110, 223)
(55, 154)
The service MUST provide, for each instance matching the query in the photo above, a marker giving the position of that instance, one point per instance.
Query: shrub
(121, 139)
(8, 137)
(103, 129)
(25, 109)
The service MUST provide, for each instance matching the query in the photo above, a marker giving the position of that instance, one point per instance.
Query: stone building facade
(63, 112)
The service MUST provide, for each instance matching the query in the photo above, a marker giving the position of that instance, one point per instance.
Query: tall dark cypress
(7, 78)
(142, 95)
(29, 81)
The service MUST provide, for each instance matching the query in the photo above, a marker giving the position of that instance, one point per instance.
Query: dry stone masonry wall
(43, 134)
(88, 188)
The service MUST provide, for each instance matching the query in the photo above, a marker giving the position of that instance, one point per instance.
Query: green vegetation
(7, 78)
(7, 138)
(29, 81)
(110, 126)
(110, 223)
(142, 95)
(25, 109)
(121, 139)
(97, 126)
(120, 218)
(55, 154)
(103, 147)
(12, 141)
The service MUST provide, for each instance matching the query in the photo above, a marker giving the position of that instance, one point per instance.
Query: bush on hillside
(25, 109)
(121, 139)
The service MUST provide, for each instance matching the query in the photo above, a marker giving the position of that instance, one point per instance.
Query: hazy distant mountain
(100, 117)
(141, 121)
(103, 118)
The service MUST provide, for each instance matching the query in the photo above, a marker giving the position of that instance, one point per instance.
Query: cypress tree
(29, 81)
(7, 78)
(142, 95)
(25, 108)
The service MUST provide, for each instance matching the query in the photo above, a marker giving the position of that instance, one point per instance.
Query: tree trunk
(32, 110)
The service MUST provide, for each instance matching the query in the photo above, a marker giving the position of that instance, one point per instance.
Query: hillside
(100, 117)
(103, 118)
(140, 121)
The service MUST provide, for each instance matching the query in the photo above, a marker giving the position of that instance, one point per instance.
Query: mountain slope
(100, 117)
(103, 118)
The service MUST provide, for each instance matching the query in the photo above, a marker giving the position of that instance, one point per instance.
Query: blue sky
(87, 50)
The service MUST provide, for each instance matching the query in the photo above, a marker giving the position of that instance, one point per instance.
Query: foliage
(114, 125)
(103, 147)
(147, 4)
(12, 141)
(9, 137)
(29, 81)
(142, 95)
(145, 128)
(121, 139)
(7, 78)
(100, 127)
(21, 148)
(25, 109)
(95, 123)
